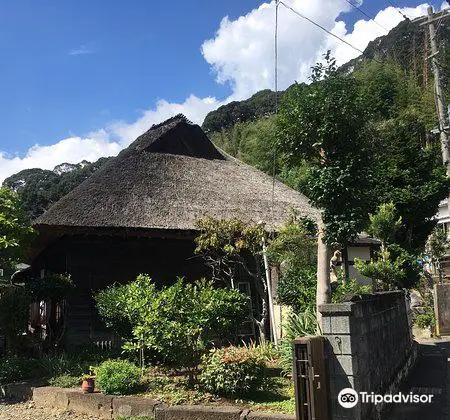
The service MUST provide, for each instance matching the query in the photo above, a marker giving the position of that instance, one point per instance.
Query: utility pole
(440, 106)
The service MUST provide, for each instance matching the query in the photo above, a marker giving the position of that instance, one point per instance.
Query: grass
(277, 397)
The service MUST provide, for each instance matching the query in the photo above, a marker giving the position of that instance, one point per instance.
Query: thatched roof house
(138, 214)
(169, 178)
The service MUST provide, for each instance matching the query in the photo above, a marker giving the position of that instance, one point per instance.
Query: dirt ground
(28, 411)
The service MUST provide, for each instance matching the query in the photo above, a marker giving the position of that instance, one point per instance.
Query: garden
(180, 343)
(176, 350)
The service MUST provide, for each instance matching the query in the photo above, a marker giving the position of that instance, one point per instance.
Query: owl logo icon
(348, 398)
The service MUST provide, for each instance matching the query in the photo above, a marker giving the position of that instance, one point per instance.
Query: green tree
(176, 322)
(387, 91)
(384, 224)
(258, 144)
(437, 248)
(294, 252)
(15, 230)
(393, 267)
(409, 174)
(228, 246)
(38, 188)
(324, 123)
(260, 105)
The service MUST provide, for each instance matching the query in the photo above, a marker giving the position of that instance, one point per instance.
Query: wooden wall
(95, 262)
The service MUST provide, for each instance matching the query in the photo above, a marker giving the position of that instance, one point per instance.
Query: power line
(320, 26)
(438, 26)
(398, 9)
(366, 14)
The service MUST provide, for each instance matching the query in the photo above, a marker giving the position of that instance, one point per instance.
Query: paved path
(431, 375)
(28, 411)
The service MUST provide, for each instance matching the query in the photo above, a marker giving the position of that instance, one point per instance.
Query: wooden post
(273, 327)
(440, 107)
(323, 271)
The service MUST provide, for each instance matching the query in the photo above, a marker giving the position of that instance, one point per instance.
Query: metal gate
(310, 379)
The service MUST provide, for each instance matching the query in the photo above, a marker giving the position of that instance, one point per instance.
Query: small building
(362, 248)
(138, 214)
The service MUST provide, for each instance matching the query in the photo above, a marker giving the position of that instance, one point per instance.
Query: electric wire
(439, 25)
(320, 26)
(398, 9)
(357, 7)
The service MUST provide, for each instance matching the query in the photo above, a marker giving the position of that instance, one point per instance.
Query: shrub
(268, 352)
(297, 288)
(343, 292)
(425, 320)
(14, 369)
(176, 322)
(54, 365)
(65, 381)
(296, 325)
(234, 371)
(114, 307)
(117, 377)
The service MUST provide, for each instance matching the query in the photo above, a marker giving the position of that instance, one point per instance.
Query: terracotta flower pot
(88, 385)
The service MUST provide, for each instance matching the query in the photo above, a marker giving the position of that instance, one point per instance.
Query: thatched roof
(169, 178)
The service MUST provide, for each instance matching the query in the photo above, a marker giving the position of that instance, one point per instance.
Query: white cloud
(104, 142)
(194, 108)
(241, 54)
(365, 31)
(82, 50)
(72, 150)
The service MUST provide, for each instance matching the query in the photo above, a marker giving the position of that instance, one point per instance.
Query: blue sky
(76, 67)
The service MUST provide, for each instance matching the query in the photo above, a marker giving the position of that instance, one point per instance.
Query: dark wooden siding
(95, 262)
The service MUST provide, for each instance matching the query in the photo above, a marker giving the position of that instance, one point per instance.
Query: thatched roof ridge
(169, 178)
(178, 136)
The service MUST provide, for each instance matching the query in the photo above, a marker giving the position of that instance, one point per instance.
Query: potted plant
(88, 384)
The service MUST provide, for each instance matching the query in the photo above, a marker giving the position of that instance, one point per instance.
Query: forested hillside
(40, 188)
(392, 73)
(261, 104)
(407, 46)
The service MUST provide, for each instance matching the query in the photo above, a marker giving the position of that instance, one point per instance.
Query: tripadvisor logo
(348, 398)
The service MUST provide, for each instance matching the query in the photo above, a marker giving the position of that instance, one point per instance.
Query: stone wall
(369, 348)
(442, 308)
(110, 407)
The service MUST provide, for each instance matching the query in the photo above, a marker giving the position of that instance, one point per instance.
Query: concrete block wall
(369, 349)
(442, 308)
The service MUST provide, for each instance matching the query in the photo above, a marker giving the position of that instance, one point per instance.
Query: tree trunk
(323, 272)
(345, 265)
(262, 324)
